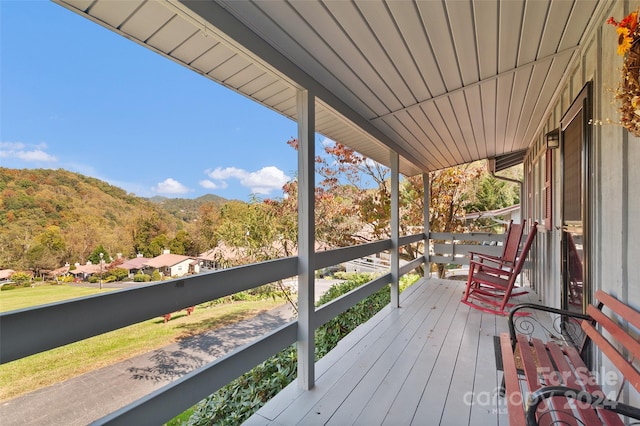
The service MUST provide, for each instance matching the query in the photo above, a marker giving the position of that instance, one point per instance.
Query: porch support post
(395, 230)
(306, 239)
(426, 202)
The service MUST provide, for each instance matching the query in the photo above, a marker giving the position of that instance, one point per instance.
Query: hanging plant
(628, 91)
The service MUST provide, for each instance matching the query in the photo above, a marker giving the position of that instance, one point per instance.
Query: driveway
(86, 398)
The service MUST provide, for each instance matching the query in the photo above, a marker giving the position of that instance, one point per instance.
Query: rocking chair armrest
(489, 257)
(500, 268)
(490, 262)
(478, 254)
(538, 396)
(534, 306)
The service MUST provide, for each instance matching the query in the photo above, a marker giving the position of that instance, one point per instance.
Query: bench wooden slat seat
(512, 383)
(548, 382)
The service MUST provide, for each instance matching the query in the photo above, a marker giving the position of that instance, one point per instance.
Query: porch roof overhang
(441, 83)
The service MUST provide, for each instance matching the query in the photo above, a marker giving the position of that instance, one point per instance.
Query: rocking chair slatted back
(491, 281)
(510, 249)
(512, 241)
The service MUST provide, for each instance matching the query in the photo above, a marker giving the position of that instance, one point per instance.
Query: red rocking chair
(492, 279)
(510, 248)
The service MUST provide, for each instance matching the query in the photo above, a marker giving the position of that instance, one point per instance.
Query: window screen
(572, 173)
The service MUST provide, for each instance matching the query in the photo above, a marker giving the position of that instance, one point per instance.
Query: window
(572, 146)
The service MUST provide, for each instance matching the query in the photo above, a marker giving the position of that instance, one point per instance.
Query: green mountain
(186, 209)
(49, 217)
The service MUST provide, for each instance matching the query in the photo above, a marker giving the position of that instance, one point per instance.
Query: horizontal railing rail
(327, 312)
(410, 239)
(454, 247)
(410, 266)
(66, 322)
(160, 406)
(370, 264)
(61, 323)
(345, 254)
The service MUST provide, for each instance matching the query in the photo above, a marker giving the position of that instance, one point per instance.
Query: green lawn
(25, 297)
(44, 369)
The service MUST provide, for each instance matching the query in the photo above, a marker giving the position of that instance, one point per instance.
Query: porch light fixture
(553, 139)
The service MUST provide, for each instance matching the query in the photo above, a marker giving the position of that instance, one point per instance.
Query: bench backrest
(617, 336)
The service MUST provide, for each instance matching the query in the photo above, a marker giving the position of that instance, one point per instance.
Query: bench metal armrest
(595, 401)
(533, 306)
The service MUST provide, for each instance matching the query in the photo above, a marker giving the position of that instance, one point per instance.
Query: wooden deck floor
(430, 362)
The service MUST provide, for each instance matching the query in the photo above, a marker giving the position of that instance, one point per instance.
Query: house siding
(614, 205)
(615, 178)
(180, 269)
(633, 223)
(617, 185)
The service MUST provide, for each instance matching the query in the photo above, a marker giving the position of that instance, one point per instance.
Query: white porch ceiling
(440, 82)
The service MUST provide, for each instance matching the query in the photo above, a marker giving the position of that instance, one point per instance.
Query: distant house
(220, 257)
(209, 260)
(135, 265)
(5, 274)
(172, 265)
(225, 256)
(501, 216)
(82, 272)
(59, 272)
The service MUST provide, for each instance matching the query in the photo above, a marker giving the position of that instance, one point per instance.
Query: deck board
(406, 401)
(486, 403)
(457, 411)
(431, 361)
(384, 373)
(367, 368)
(379, 403)
(439, 384)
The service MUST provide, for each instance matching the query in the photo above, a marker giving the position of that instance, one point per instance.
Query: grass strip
(47, 368)
(27, 297)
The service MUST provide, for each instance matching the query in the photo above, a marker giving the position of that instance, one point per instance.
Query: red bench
(167, 317)
(550, 383)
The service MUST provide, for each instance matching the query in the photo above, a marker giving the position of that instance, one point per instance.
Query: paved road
(86, 398)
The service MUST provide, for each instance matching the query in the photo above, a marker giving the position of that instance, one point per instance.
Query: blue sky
(76, 96)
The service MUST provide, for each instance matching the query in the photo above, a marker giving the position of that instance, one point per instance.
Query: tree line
(51, 217)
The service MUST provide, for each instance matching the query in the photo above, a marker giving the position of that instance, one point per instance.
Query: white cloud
(262, 181)
(12, 146)
(229, 172)
(370, 162)
(170, 186)
(25, 152)
(36, 155)
(212, 185)
(265, 180)
(327, 142)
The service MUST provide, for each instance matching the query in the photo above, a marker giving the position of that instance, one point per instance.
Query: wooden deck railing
(28, 331)
(452, 248)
